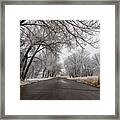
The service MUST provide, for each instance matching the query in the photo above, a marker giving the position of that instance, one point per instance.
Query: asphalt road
(59, 89)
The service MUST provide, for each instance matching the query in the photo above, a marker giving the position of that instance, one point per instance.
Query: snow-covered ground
(36, 79)
(90, 80)
(30, 81)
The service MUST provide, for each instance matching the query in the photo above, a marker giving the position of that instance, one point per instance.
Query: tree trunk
(26, 54)
(23, 63)
(43, 75)
(28, 66)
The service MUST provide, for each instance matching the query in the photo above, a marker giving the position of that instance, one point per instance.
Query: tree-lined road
(48, 46)
(59, 89)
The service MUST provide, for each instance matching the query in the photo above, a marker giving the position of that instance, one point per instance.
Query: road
(59, 89)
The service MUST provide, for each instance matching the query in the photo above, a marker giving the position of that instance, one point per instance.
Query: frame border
(55, 2)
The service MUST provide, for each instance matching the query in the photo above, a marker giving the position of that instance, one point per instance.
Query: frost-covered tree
(81, 64)
(39, 35)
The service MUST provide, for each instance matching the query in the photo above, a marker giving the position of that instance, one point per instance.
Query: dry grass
(90, 80)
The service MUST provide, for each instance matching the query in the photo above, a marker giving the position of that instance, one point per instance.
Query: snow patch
(30, 81)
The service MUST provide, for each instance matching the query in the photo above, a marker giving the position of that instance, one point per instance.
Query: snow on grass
(30, 81)
(39, 79)
(90, 80)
